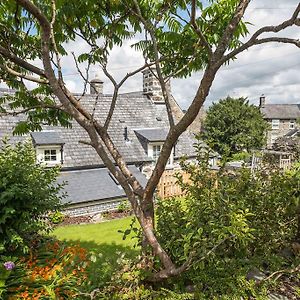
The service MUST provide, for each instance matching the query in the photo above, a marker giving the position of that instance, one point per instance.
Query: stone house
(281, 117)
(138, 128)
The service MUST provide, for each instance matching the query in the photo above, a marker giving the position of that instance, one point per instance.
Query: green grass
(104, 240)
(101, 233)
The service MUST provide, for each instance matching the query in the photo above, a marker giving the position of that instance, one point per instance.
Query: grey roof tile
(46, 138)
(281, 111)
(134, 109)
(153, 134)
(94, 184)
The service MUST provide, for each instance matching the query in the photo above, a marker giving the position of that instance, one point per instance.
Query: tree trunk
(147, 251)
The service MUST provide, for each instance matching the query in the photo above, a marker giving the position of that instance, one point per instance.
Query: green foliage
(233, 125)
(229, 223)
(124, 206)
(244, 156)
(27, 193)
(56, 217)
(102, 25)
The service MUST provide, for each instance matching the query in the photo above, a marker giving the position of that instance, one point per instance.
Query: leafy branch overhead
(179, 37)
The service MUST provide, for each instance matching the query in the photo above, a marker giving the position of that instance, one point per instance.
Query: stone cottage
(281, 117)
(138, 128)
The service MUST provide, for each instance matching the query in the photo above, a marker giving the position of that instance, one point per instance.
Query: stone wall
(92, 208)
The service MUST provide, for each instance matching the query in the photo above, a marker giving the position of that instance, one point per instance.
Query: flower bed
(53, 271)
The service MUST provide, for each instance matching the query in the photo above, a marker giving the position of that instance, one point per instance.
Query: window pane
(156, 151)
(50, 155)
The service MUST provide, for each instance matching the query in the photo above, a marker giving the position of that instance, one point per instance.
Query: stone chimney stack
(96, 87)
(151, 85)
(262, 100)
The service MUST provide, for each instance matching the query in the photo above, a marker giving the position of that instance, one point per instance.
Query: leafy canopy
(233, 125)
(101, 25)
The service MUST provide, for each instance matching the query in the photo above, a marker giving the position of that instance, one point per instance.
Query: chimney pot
(96, 86)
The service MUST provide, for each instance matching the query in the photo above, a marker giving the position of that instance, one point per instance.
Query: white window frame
(151, 152)
(292, 124)
(41, 154)
(275, 123)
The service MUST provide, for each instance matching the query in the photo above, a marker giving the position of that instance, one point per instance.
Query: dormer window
(49, 147)
(154, 150)
(152, 140)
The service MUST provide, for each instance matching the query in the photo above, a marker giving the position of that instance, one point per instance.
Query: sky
(269, 69)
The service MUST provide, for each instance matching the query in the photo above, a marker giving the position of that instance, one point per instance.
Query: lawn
(99, 234)
(105, 241)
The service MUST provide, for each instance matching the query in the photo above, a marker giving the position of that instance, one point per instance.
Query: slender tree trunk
(147, 252)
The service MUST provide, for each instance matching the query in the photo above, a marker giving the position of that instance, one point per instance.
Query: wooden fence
(168, 187)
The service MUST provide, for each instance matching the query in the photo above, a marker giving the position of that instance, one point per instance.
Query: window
(50, 155)
(275, 123)
(156, 151)
(292, 124)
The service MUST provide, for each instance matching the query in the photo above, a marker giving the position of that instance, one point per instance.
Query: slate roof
(46, 138)
(94, 184)
(292, 132)
(281, 111)
(133, 110)
(153, 134)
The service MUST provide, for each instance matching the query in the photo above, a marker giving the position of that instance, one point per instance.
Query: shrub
(229, 223)
(124, 206)
(27, 193)
(56, 217)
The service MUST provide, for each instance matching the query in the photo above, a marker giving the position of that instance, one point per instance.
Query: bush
(229, 223)
(27, 193)
(56, 217)
(124, 206)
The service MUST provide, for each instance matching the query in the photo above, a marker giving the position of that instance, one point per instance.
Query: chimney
(262, 100)
(96, 87)
(151, 85)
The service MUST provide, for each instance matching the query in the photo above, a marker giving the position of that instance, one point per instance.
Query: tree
(233, 125)
(177, 41)
(27, 193)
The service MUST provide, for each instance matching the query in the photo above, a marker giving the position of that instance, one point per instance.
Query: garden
(237, 231)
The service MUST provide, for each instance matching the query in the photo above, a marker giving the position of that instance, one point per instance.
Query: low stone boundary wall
(91, 208)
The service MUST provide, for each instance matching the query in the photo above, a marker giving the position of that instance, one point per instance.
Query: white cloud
(272, 69)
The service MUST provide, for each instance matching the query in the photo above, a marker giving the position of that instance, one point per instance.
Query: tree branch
(117, 86)
(24, 76)
(164, 274)
(25, 110)
(149, 27)
(230, 29)
(255, 41)
(20, 62)
(198, 30)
